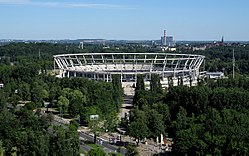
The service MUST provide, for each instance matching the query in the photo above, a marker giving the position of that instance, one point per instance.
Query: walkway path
(127, 104)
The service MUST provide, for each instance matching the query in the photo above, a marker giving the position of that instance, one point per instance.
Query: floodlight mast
(94, 118)
(233, 63)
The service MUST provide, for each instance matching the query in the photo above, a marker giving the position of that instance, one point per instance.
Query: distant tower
(152, 43)
(81, 46)
(233, 63)
(164, 38)
(39, 53)
(222, 39)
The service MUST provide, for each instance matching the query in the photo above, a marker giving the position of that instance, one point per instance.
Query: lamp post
(148, 152)
(94, 118)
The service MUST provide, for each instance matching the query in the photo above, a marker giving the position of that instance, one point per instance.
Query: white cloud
(93, 5)
(64, 5)
(14, 2)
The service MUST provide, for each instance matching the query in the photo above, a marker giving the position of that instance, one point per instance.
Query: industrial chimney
(164, 38)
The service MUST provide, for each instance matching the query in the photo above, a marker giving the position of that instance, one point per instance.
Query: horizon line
(184, 40)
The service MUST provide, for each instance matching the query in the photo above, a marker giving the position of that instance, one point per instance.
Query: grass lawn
(94, 145)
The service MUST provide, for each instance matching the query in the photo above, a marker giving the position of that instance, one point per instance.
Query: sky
(125, 19)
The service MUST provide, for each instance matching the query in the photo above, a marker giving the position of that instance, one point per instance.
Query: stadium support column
(197, 72)
(94, 76)
(68, 74)
(194, 74)
(110, 77)
(61, 73)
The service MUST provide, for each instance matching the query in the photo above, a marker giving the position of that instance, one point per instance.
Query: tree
(63, 140)
(87, 111)
(26, 72)
(45, 95)
(188, 141)
(111, 122)
(155, 85)
(53, 93)
(163, 109)
(14, 99)
(50, 117)
(63, 103)
(181, 120)
(32, 142)
(155, 123)
(140, 82)
(1, 148)
(66, 92)
(30, 106)
(8, 126)
(198, 99)
(3, 100)
(138, 126)
(140, 100)
(117, 90)
(76, 101)
(114, 154)
(24, 91)
(138, 130)
(36, 94)
(96, 152)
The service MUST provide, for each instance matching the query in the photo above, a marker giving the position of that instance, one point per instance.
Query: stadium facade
(171, 68)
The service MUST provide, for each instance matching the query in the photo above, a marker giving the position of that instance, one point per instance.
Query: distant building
(153, 43)
(106, 47)
(172, 49)
(170, 41)
(162, 41)
(163, 48)
(215, 75)
(199, 48)
(220, 43)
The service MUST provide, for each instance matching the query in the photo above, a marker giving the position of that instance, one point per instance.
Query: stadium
(171, 68)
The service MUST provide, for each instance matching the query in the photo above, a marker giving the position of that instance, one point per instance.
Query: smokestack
(164, 38)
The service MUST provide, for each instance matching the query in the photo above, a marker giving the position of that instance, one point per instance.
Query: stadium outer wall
(173, 69)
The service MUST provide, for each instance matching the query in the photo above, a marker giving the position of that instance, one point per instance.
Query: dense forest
(219, 58)
(206, 119)
(28, 86)
(73, 98)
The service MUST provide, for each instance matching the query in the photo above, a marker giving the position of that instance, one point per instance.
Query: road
(84, 136)
(107, 147)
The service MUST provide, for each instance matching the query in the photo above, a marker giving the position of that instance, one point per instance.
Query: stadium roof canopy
(130, 63)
